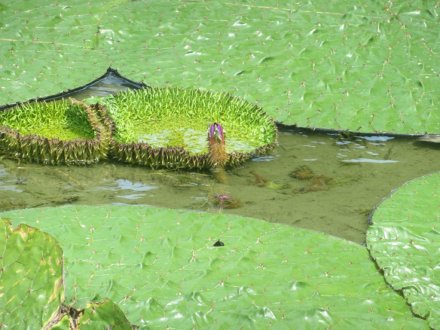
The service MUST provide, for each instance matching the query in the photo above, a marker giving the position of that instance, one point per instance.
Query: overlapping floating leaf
(167, 127)
(103, 315)
(58, 132)
(404, 240)
(31, 277)
(31, 286)
(161, 267)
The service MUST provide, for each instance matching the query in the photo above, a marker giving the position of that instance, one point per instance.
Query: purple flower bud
(216, 131)
(211, 130)
(220, 130)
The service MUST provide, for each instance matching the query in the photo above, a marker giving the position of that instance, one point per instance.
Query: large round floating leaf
(168, 127)
(66, 132)
(404, 240)
(370, 66)
(31, 277)
(166, 268)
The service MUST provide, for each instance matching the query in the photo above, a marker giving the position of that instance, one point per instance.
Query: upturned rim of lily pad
(177, 111)
(38, 148)
(110, 73)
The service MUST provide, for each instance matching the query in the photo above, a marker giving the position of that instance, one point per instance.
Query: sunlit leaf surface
(369, 66)
(405, 242)
(163, 268)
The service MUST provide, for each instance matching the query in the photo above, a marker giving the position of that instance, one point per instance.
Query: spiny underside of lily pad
(58, 132)
(168, 127)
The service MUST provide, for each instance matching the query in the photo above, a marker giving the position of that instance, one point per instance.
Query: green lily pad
(66, 132)
(165, 268)
(31, 278)
(362, 67)
(168, 127)
(404, 240)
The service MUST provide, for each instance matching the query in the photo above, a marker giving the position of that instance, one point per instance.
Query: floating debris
(218, 243)
(259, 180)
(314, 182)
(226, 201)
(302, 172)
(318, 183)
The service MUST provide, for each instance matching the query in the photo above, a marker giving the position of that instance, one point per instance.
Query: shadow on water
(323, 181)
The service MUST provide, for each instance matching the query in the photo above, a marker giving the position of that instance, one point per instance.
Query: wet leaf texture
(161, 268)
(363, 67)
(404, 240)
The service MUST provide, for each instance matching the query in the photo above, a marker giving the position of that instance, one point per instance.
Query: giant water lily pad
(370, 66)
(163, 268)
(31, 277)
(404, 240)
(63, 131)
(168, 127)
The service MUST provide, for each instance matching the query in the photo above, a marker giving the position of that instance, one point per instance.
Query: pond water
(320, 181)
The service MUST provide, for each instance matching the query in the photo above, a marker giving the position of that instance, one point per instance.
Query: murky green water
(315, 181)
(312, 180)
